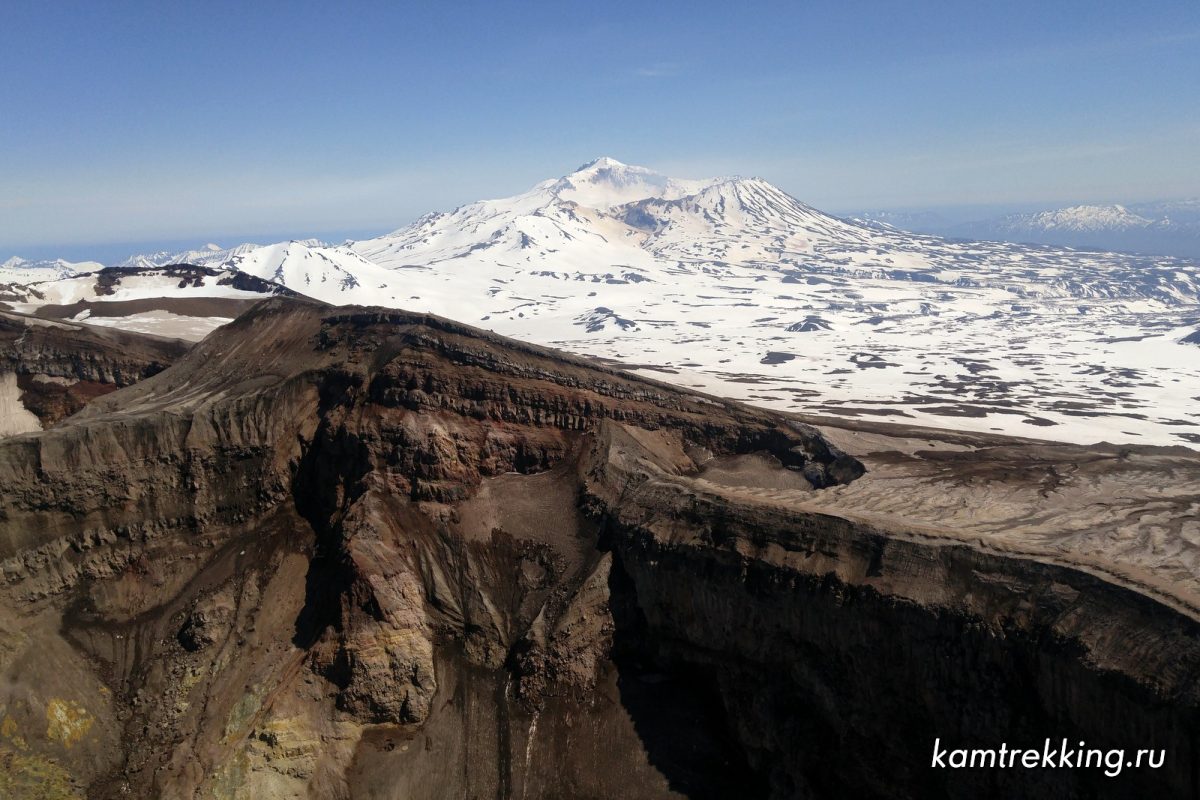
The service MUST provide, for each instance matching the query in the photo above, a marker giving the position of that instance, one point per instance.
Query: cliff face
(841, 649)
(357, 553)
(53, 369)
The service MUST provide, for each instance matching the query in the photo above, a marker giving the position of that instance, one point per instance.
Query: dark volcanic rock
(60, 367)
(339, 553)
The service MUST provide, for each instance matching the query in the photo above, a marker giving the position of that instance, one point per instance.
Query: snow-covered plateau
(733, 287)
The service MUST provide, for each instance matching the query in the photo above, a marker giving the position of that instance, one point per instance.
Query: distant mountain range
(206, 255)
(732, 286)
(22, 270)
(1158, 228)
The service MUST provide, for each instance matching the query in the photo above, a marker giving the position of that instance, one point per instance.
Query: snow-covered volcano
(1081, 218)
(1165, 227)
(733, 286)
(672, 224)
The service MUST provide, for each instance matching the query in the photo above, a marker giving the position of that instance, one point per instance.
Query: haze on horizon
(157, 123)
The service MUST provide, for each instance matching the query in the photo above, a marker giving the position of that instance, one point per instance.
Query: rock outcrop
(352, 553)
(56, 368)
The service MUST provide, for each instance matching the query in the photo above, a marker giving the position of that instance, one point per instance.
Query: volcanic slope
(734, 287)
(364, 553)
(50, 369)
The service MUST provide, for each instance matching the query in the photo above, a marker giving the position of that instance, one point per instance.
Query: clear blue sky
(131, 122)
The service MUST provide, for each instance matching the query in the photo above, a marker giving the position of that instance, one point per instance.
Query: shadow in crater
(677, 710)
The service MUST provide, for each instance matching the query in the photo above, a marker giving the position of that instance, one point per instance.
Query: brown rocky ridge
(52, 369)
(361, 553)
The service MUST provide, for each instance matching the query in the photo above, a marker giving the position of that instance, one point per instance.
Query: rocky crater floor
(362, 553)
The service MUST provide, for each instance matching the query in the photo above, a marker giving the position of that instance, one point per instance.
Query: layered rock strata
(355, 553)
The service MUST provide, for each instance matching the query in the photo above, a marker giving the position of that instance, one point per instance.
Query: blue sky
(139, 122)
